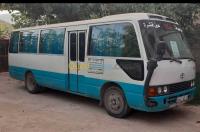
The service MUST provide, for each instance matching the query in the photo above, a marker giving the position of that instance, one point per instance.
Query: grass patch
(196, 100)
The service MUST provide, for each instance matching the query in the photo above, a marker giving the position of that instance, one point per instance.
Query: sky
(5, 16)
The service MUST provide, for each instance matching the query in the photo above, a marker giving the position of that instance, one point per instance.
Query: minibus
(127, 61)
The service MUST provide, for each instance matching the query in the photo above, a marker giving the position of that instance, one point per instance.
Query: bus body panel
(133, 92)
(169, 72)
(43, 69)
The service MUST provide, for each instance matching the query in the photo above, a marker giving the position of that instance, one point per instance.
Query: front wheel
(115, 102)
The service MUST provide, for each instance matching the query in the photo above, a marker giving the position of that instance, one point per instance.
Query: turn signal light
(152, 91)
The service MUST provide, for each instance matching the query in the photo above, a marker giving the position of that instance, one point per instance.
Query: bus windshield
(154, 31)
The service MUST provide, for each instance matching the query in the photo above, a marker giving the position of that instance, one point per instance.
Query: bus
(137, 61)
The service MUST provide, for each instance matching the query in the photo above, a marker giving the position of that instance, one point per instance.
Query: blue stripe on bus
(91, 87)
(87, 86)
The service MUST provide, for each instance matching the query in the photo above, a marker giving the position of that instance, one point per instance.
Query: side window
(14, 40)
(117, 40)
(81, 46)
(28, 41)
(73, 40)
(52, 41)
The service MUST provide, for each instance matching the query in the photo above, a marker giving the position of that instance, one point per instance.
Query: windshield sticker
(174, 48)
(151, 24)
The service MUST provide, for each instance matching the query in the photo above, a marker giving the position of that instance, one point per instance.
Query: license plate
(182, 99)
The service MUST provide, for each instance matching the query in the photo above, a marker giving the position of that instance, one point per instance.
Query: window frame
(17, 43)
(64, 42)
(115, 22)
(69, 43)
(36, 44)
(85, 33)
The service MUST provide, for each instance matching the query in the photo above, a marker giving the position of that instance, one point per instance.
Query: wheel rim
(31, 83)
(114, 102)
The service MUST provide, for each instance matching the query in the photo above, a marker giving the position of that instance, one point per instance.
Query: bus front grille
(178, 87)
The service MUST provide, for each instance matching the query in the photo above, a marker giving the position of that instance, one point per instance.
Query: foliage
(43, 13)
(5, 29)
(196, 99)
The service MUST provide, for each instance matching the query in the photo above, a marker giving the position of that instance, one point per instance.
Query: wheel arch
(107, 85)
(26, 72)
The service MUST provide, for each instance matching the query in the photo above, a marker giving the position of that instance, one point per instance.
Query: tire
(31, 84)
(115, 102)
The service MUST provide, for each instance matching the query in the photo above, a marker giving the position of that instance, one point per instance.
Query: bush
(196, 100)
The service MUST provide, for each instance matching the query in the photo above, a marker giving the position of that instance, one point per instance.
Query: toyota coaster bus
(128, 61)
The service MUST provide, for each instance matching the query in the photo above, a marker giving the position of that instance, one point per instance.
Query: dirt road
(55, 111)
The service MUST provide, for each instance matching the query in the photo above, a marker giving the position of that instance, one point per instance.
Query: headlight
(165, 89)
(156, 91)
(160, 90)
(192, 83)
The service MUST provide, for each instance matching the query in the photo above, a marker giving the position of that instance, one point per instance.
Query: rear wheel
(115, 102)
(31, 84)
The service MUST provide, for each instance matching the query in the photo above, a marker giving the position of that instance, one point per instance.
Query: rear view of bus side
(136, 60)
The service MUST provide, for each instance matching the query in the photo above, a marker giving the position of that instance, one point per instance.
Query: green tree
(43, 13)
(5, 29)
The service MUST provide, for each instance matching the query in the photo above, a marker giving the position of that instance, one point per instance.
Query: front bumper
(168, 101)
(164, 102)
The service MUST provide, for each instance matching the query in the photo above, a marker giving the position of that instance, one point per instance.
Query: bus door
(76, 59)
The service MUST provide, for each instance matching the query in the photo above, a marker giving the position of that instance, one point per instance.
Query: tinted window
(73, 46)
(133, 68)
(52, 41)
(14, 40)
(81, 46)
(28, 41)
(118, 40)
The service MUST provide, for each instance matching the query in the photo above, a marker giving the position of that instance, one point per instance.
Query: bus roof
(127, 16)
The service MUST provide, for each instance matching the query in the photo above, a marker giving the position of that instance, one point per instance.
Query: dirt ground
(55, 111)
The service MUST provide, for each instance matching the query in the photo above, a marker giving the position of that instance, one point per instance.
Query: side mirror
(160, 49)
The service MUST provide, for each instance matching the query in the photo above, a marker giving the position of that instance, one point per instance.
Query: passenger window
(14, 40)
(73, 40)
(52, 41)
(117, 40)
(28, 41)
(81, 46)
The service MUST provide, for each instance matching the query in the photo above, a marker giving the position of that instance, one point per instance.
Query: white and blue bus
(127, 61)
